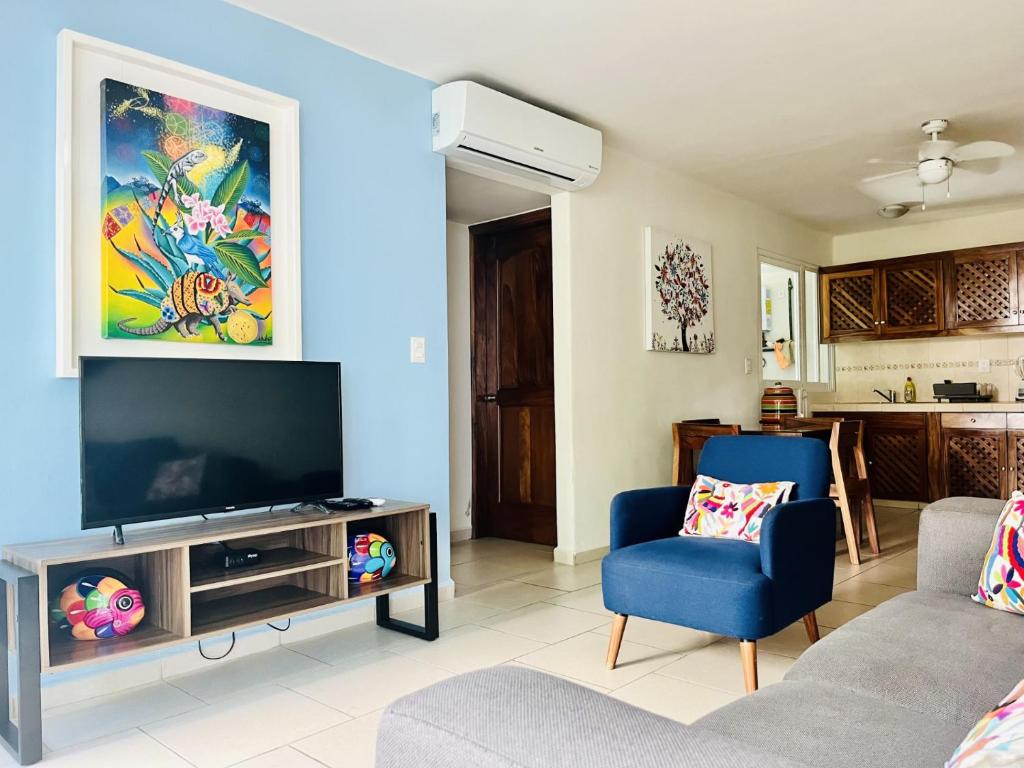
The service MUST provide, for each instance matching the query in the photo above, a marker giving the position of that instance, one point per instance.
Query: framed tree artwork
(679, 310)
(177, 211)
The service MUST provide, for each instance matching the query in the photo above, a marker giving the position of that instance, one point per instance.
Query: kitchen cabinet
(896, 450)
(849, 304)
(974, 451)
(911, 297)
(984, 289)
(950, 293)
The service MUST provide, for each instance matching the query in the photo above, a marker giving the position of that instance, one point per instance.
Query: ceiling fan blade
(871, 179)
(883, 161)
(981, 150)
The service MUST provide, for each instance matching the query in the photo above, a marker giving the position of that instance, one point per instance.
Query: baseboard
(568, 557)
(462, 534)
(79, 685)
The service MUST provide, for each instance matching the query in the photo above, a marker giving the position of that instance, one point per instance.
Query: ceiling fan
(937, 158)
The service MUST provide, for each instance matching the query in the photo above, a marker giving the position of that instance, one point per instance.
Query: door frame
(495, 226)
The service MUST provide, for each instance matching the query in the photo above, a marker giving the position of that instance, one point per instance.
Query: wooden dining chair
(688, 437)
(852, 490)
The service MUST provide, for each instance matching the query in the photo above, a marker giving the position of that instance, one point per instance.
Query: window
(791, 351)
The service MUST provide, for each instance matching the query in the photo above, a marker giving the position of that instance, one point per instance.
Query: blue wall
(373, 245)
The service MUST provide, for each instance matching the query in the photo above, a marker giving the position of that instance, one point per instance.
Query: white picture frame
(685, 321)
(83, 62)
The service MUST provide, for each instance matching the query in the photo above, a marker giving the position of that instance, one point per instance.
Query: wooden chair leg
(748, 655)
(615, 641)
(811, 625)
(871, 525)
(851, 536)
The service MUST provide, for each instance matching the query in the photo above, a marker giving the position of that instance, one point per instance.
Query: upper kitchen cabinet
(984, 288)
(849, 304)
(975, 290)
(911, 299)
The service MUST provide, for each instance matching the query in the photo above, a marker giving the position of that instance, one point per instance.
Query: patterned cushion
(731, 510)
(998, 738)
(1002, 576)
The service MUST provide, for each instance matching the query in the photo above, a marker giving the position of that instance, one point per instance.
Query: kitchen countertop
(920, 407)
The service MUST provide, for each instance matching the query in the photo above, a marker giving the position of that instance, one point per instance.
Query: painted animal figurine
(191, 298)
(178, 169)
(197, 252)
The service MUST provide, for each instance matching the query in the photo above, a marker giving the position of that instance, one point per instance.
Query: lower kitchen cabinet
(928, 456)
(896, 449)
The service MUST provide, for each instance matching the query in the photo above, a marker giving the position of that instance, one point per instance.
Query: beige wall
(863, 366)
(614, 401)
(460, 407)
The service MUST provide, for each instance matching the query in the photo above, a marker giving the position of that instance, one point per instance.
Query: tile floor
(317, 702)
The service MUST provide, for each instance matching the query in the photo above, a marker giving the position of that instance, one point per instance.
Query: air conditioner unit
(477, 127)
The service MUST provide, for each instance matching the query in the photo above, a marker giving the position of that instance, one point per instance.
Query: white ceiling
(473, 199)
(779, 102)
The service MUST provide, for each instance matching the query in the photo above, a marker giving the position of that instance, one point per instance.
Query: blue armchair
(729, 587)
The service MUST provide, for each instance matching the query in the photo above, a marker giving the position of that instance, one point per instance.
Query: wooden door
(850, 303)
(513, 379)
(975, 462)
(912, 299)
(983, 288)
(896, 447)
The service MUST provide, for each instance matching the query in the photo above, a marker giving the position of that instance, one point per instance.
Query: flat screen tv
(164, 438)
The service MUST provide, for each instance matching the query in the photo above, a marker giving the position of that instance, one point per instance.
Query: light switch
(984, 366)
(417, 349)
(747, 367)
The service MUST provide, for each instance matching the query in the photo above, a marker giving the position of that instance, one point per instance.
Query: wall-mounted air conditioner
(478, 127)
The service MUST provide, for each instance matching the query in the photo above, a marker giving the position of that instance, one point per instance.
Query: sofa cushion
(728, 510)
(509, 717)
(834, 727)
(931, 652)
(705, 583)
(1002, 574)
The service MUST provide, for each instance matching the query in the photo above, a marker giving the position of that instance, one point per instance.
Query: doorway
(512, 372)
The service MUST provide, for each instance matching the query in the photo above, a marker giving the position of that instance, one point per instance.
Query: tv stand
(188, 597)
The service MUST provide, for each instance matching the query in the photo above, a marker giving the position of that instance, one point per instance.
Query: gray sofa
(898, 686)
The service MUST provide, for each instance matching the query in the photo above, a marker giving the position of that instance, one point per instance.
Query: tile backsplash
(864, 366)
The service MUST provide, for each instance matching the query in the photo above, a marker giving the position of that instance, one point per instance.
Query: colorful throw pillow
(731, 510)
(1002, 576)
(998, 738)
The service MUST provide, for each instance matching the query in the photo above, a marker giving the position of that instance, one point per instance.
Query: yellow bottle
(909, 391)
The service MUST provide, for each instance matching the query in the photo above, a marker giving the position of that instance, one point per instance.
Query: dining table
(819, 431)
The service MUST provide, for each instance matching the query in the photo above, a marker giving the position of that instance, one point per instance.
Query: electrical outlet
(417, 349)
(984, 366)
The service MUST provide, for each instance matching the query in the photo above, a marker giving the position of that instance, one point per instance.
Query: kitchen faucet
(889, 395)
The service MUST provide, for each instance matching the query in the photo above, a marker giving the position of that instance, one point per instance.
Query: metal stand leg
(24, 740)
(430, 629)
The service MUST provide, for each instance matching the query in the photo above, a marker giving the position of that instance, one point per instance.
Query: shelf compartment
(160, 578)
(408, 533)
(227, 612)
(279, 561)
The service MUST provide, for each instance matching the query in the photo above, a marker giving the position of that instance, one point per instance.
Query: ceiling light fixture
(892, 211)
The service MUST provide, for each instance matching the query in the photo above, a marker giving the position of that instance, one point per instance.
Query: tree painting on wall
(679, 312)
(185, 220)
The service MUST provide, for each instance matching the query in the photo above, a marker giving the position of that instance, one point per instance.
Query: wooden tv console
(304, 568)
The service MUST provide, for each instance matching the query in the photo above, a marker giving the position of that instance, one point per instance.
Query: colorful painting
(185, 231)
(680, 312)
